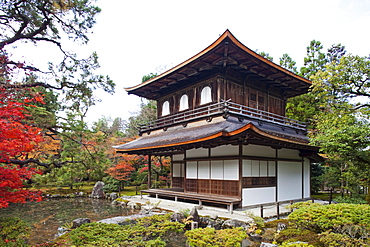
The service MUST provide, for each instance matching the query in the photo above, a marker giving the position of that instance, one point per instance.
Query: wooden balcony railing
(225, 108)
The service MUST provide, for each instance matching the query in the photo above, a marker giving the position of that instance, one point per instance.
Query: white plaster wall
(191, 169)
(177, 157)
(289, 180)
(263, 168)
(203, 169)
(247, 168)
(176, 170)
(200, 152)
(225, 150)
(255, 168)
(217, 169)
(272, 171)
(253, 196)
(288, 153)
(231, 170)
(307, 184)
(257, 150)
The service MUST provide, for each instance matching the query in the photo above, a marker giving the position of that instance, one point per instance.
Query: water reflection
(46, 216)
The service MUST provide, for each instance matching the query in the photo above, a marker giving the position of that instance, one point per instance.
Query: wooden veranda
(178, 193)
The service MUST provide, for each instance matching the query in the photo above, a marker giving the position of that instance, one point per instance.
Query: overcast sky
(135, 38)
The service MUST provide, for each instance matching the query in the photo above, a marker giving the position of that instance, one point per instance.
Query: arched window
(205, 95)
(166, 108)
(184, 102)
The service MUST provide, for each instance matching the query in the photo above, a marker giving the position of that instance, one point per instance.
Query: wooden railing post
(261, 211)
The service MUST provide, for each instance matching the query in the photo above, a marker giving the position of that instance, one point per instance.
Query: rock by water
(97, 191)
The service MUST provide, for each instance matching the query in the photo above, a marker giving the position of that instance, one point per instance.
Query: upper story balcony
(223, 108)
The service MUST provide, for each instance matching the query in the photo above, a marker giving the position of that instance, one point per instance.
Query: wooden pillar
(149, 171)
(276, 175)
(240, 170)
(184, 171)
(302, 177)
(171, 170)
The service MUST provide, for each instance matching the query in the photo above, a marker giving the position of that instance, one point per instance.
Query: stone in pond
(97, 191)
(78, 222)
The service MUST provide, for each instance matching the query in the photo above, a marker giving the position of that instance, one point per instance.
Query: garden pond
(47, 216)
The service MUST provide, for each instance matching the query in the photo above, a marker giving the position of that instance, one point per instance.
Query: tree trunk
(331, 195)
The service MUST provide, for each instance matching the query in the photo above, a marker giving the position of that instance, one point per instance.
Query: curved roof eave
(247, 127)
(226, 34)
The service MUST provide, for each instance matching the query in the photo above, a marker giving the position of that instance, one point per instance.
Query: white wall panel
(176, 170)
(225, 150)
(191, 169)
(253, 196)
(177, 157)
(247, 168)
(200, 152)
(231, 169)
(307, 184)
(289, 180)
(263, 168)
(203, 170)
(288, 153)
(217, 169)
(272, 170)
(255, 168)
(257, 150)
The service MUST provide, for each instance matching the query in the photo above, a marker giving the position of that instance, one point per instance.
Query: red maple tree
(17, 138)
(123, 168)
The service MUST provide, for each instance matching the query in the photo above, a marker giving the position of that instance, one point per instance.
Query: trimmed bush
(147, 231)
(326, 217)
(204, 237)
(13, 232)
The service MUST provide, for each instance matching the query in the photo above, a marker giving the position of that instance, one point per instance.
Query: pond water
(46, 216)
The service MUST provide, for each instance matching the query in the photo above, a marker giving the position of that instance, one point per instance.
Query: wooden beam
(149, 171)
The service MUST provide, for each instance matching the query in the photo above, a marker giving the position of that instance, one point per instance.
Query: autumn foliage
(17, 138)
(123, 168)
(11, 185)
(17, 135)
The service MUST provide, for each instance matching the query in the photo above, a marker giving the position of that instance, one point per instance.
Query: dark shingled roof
(208, 132)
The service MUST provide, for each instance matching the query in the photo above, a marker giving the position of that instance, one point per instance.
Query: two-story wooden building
(221, 118)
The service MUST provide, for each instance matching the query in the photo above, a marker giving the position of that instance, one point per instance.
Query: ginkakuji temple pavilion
(221, 119)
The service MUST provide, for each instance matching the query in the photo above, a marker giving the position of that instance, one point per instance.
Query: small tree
(331, 179)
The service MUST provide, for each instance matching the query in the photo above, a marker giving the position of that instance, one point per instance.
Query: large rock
(78, 222)
(216, 224)
(177, 217)
(113, 196)
(97, 191)
(234, 223)
(194, 214)
(267, 245)
(134, 205)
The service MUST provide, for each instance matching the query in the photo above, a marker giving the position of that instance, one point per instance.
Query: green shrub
(13, 232)
(297, 234)
(332, 239)
(259, 221)
(148, 231)
(305, 204)
(202, 237)
(111, 184)
(290, 244)
(274, 223)
(322, 218)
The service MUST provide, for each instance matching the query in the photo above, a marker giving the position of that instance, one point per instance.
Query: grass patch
(87, 188)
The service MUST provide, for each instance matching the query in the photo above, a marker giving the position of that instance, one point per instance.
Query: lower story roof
(218, 131)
